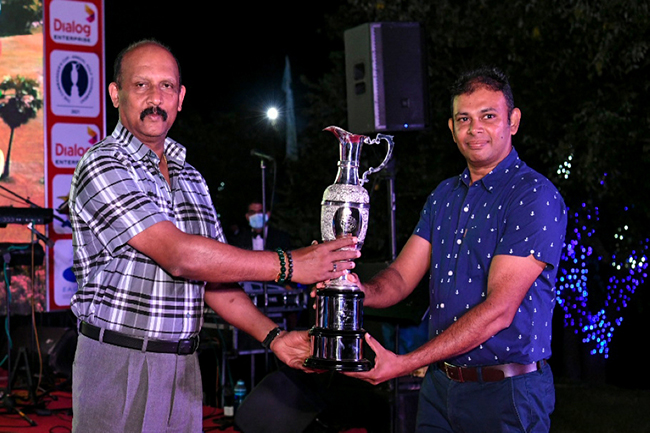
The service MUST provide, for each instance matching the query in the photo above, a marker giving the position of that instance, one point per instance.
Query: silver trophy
(337, 337)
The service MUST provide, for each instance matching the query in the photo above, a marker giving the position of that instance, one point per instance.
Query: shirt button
(459, 241)
(450, 273)
(442, 305)
(466, 209)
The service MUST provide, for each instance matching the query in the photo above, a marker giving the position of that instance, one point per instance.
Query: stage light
(272, 113)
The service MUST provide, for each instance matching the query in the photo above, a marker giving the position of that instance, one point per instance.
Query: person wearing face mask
(253, 237)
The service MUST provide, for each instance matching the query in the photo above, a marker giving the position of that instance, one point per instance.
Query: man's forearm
(234, 306)
(385, 289)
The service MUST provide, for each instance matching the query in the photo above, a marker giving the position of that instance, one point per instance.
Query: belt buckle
(193, 346)
(453, 372)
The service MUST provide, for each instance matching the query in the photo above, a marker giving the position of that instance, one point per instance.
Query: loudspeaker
(60, 345)
(57, 346)
(280, 402)
(385, 72)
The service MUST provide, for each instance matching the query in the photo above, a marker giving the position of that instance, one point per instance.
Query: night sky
(230, 55)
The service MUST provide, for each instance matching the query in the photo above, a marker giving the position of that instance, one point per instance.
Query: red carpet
(52, 412)
(54, 415)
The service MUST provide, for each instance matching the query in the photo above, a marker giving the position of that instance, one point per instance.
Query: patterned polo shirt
(513, 210)
(118, 191)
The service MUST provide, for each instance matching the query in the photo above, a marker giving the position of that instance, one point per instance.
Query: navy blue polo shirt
(512, 210)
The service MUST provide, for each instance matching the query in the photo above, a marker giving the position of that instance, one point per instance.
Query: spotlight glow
(272, 113)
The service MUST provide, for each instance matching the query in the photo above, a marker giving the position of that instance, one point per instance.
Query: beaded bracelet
(280, 279)
(290, 260)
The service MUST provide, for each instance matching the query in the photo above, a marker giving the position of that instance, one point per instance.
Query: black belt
(490, 373)
(181, 347)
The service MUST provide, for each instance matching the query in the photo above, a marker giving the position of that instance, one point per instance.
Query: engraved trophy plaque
(337, 337)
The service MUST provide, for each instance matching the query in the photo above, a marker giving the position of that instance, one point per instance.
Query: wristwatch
(271, 336)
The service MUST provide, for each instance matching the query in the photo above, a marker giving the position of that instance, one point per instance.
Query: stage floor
(56, 417)
(53, 414)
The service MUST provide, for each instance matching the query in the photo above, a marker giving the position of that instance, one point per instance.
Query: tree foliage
(19, 102)
(578, 73)
(17, 16)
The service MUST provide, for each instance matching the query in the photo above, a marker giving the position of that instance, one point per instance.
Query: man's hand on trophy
(320, 262)
(351, 277)
(387, 364)
(293, 348)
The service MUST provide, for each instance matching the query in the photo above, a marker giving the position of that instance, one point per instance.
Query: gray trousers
(121, 390)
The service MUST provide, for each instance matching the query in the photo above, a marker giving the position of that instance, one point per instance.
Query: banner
(75, 92)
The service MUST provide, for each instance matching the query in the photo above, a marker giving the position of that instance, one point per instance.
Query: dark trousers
(518, 404)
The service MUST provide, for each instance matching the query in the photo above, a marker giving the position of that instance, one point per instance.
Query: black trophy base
(336, 365)
(337, 350)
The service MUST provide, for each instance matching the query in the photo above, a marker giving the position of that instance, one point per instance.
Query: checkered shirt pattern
(117, 192)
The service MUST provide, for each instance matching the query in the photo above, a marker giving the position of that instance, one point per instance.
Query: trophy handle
(389, 153)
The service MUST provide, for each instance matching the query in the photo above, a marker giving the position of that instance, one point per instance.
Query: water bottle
(228, 401)
(240, 394)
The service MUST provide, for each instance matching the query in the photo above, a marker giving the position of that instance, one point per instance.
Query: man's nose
(474, 127)
(154, 96)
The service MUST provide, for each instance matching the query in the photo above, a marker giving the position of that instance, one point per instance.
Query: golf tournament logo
(75, 90)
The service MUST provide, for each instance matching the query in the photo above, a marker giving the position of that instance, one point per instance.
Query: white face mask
(258, 220)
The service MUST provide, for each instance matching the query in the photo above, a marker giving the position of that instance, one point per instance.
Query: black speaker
(279, 403)
(385, 71)
(57, 347)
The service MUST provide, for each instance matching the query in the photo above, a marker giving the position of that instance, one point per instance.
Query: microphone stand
(32, 204)
(263, 159)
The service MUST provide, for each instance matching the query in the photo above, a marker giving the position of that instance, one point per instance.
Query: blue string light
(581, 271)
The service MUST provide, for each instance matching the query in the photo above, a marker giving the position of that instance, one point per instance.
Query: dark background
(578, 73)
(232, 55)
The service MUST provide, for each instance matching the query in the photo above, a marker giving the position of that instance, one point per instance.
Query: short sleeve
(535, 221)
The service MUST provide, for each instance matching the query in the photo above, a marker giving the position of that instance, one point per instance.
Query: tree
(19, 102)
(17, 17)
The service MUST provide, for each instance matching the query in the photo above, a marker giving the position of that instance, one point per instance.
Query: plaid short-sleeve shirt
(117, 192)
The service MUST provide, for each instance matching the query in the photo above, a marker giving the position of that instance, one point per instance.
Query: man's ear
(450, 123)
(113, 92)
(515, 119)
(181, 97)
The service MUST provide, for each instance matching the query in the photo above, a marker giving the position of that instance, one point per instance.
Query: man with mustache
(148, 248)
(154, 110)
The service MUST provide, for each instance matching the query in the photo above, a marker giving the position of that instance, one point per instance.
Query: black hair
(488, 77)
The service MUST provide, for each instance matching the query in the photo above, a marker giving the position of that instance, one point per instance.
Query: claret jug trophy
(337, 336)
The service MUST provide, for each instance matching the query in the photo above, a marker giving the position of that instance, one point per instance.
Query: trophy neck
(348, 173)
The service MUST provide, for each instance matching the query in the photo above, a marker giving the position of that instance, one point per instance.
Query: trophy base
(337, 350)
(335, 365)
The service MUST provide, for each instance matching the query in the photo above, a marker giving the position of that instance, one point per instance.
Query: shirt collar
(174, 151)
(494, 178)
